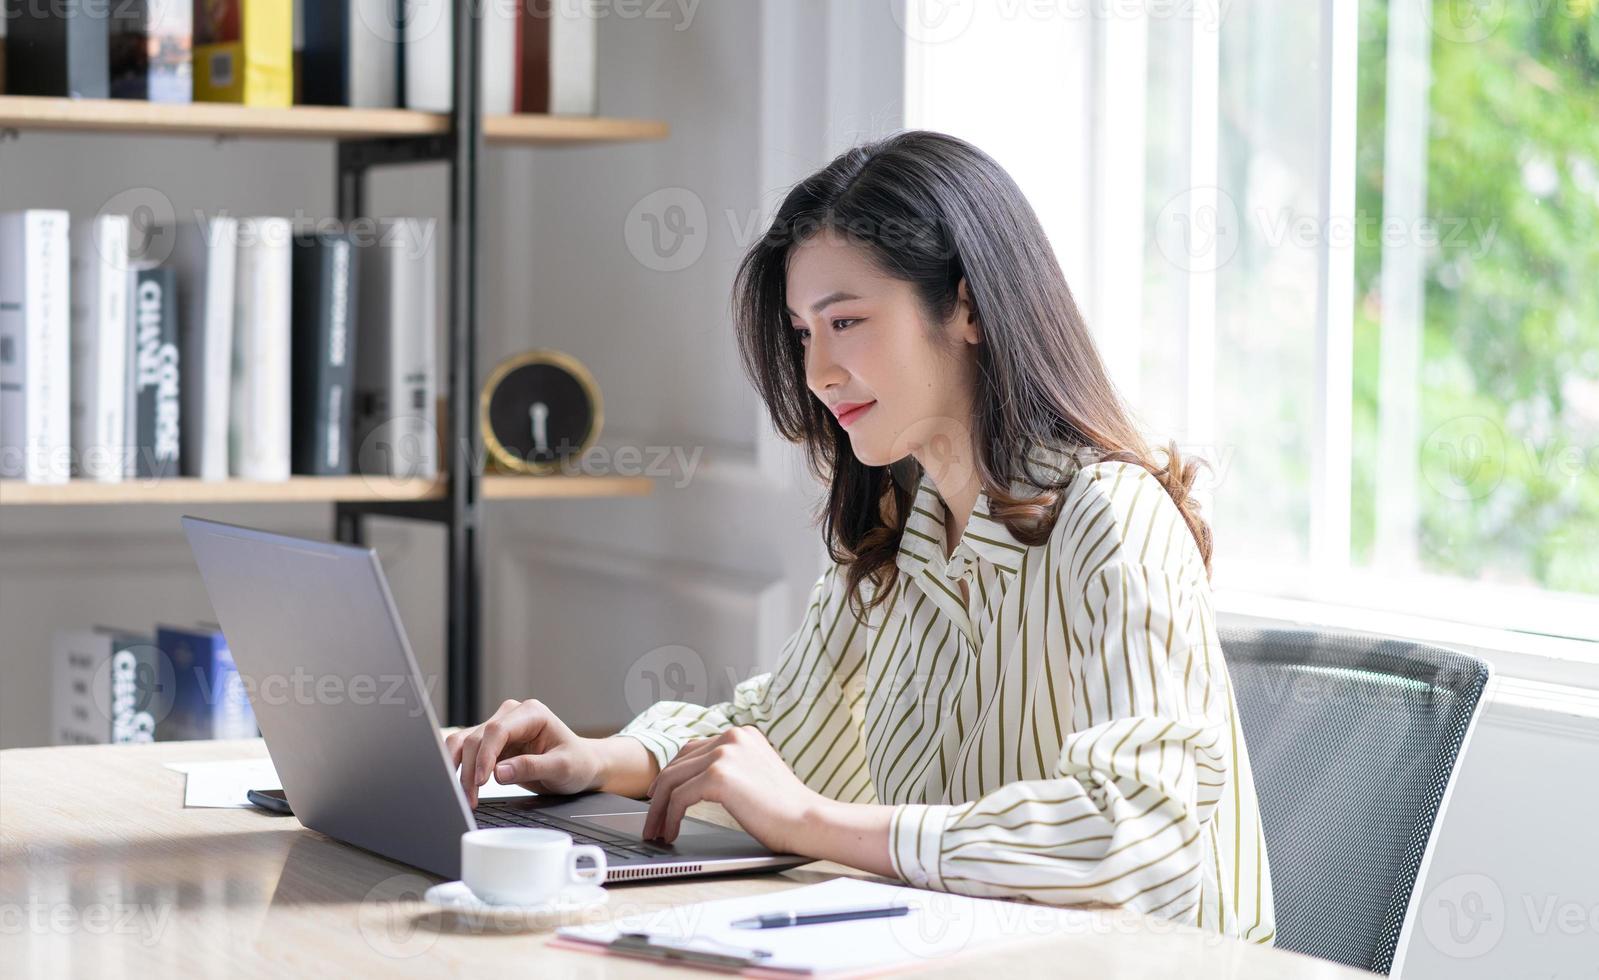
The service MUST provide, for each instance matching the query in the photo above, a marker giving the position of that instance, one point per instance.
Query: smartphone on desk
(270, 800)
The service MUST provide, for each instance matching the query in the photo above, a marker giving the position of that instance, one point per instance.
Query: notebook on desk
(939, 926)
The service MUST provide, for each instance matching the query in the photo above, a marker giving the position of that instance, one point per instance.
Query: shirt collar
(985, 537)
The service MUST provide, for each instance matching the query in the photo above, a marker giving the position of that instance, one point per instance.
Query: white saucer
(564, 908)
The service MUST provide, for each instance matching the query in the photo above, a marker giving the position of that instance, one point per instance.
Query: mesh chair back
(1352, 739)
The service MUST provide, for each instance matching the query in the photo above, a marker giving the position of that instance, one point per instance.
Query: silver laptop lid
(336, 690)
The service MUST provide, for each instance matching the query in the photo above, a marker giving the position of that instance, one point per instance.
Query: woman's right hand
(524, 742)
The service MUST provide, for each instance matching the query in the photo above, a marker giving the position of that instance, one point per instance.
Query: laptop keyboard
(621, 848)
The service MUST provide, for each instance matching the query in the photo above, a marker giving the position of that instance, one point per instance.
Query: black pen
(782, 920)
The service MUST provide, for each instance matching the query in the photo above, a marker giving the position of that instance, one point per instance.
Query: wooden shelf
(538, 130)
(305, 122)
(310, 489)
(508, 487)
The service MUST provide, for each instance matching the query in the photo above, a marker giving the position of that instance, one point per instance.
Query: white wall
(1513, 887)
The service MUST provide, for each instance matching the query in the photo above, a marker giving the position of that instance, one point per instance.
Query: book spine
(204, 258)
(99, 346)
(413, 319)
(35, 347)
(221, 260)
(58, 49)
(324, 309)
(426, 33)
(244, 52)
(210, 699)
(13, 334)
(574, 60)
(260, 422)
(325, 59)
(156, 374)
(77, 657)
(134, 679)
(533, 56)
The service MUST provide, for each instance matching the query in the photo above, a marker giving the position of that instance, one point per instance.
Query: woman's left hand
(740, 770)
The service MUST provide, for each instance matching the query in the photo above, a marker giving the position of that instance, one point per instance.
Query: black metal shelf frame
(459, 511)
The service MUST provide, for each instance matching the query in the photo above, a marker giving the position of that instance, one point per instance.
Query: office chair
(1354, 741)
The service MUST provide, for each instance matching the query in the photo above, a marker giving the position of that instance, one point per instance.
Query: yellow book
(244, 51)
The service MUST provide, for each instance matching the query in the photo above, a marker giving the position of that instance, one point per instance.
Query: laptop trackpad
(632, 824)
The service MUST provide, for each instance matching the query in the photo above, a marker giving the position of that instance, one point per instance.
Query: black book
(153, 372)
(151, 48)
(322, 349)
(57, 49)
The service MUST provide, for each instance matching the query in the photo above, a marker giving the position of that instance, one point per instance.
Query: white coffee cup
(525, 865)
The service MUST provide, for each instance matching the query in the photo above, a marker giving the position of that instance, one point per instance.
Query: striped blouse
(1067, 736)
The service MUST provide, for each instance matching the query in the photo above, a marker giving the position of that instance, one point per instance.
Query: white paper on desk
(939, 925)
(225, 783)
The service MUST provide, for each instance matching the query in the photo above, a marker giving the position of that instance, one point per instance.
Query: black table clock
(539, 411)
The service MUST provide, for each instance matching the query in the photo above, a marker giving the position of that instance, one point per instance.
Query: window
(1348, 251)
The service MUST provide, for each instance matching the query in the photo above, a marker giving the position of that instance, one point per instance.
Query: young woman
(1008, 682)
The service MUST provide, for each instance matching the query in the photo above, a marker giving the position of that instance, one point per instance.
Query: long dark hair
(934, 210)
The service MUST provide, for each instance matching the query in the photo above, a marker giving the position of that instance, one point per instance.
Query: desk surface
(104, 873)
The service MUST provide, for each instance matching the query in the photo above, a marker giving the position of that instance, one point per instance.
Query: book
(351, 55)
(151, 50)
(259, 420)
(154, 373)
(396, 425)
(100, 331)
(35, 346)
(324, 353)
(243, 51)
(209, 697)
(57, 49)
(428, 54)
(108, 685)
(557, 58)
(204, 255)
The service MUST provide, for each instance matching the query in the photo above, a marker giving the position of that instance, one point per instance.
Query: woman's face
(898, 384)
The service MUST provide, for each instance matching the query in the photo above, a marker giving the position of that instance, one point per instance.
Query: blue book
(209, 697)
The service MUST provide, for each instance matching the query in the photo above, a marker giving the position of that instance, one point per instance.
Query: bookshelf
(311, 489)
(366, 139)
(306, 122)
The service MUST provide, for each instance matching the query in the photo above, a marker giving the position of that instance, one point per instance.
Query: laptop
(351, 729)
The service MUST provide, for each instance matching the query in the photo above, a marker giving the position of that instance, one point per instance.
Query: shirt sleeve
(1134, 784)
(806, 706)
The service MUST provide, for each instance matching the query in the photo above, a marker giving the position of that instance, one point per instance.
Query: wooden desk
(104, 873)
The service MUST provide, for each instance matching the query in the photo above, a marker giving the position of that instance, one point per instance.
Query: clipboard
(940, 925)
(695, 952)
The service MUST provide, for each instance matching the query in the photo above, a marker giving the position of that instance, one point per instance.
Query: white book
(396, 425)
(100, 347)
(574, 59)
(35, 346)
(107, 685)
(205, 255)
(429, 41)
(258, 416)
(374, 54)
